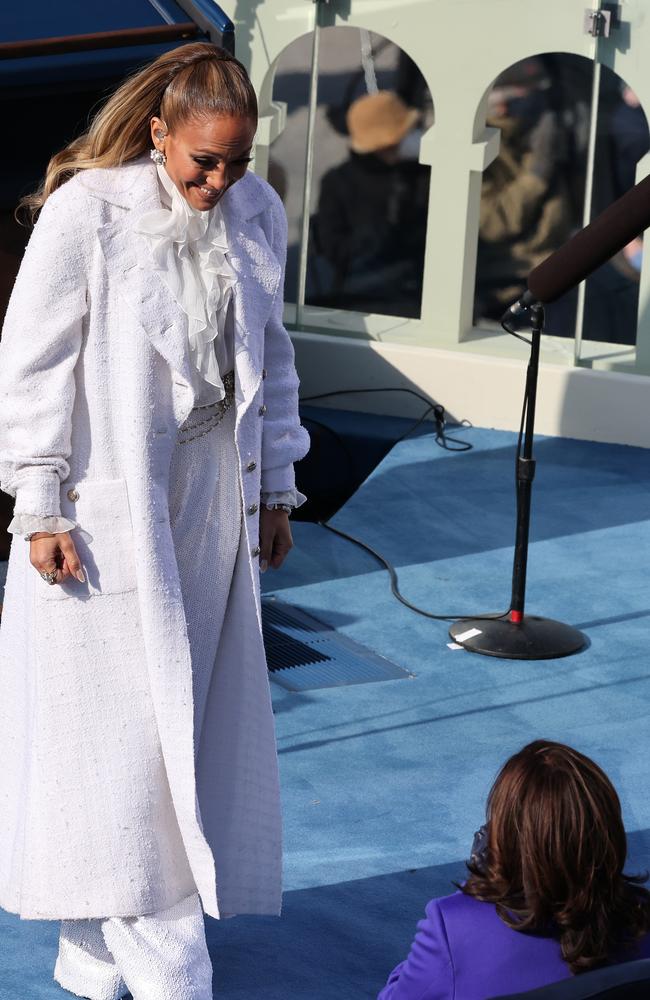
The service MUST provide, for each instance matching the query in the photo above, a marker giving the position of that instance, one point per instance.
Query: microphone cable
(394, 583)
(524, 411)
(443, 440)
(513, 333)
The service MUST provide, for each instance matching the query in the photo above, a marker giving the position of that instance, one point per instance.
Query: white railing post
(309, 160)
(643, 321)
(586, 207)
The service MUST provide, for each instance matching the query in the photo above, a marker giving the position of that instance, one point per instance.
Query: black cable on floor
(441, 439)
(394, 583)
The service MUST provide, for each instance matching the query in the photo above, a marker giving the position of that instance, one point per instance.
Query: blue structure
(75, 41)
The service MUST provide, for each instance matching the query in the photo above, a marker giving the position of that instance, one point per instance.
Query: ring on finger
(50, 577)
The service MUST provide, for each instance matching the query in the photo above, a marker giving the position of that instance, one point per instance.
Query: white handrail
(309, 162)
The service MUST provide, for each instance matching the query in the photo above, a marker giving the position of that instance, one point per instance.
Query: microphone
(580, 256)
(517, 310)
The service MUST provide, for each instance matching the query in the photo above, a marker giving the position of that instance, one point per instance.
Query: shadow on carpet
(335, 942)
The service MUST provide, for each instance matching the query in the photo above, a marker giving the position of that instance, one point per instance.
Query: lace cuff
(293, 498)
(25, 524)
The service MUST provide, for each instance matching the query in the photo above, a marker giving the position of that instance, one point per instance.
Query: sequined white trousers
(164, 956)
(161, 956)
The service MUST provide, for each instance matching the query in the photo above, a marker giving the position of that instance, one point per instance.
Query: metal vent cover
(304, 653)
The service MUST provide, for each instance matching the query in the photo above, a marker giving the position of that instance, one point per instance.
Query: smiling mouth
(208, 192)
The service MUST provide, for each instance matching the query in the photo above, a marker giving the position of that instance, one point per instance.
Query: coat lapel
(148, 297)
(130, 264)
(258, 273)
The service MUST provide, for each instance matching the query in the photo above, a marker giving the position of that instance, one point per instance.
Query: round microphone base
(532, 638)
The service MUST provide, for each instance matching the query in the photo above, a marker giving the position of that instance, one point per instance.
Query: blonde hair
(189, 82)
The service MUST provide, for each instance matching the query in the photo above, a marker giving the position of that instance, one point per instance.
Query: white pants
(159, 956)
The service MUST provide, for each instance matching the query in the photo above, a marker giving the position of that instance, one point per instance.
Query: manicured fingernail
(264, 565)
(80, 576)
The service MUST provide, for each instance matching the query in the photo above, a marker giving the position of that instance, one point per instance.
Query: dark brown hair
(555, 855)
(189, 82)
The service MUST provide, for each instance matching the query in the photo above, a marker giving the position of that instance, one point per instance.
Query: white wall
(488, 391)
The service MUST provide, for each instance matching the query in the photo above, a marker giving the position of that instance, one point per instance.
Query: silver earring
(158, 156)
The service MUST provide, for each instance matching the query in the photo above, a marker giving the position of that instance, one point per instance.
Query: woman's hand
(49, 553)
(275, 538)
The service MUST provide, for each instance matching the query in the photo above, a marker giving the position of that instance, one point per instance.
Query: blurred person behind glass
(612, 299)
(526, 210)
(370, 228)
(630, 141)
(546, 896)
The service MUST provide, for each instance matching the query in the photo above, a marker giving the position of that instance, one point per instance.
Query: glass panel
(369, 192)
(533, 193)
(622, 139)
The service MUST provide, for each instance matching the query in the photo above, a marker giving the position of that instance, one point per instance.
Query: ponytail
(189, 82)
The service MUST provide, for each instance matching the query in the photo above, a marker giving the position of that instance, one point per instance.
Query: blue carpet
(384, 784)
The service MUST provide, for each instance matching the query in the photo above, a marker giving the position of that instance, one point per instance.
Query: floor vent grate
(304, 653)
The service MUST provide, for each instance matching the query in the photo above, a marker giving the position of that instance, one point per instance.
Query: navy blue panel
(44, 19)
(215, 15)
(99, 64)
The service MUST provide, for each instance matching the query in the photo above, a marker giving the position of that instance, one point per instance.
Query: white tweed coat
(97, 817)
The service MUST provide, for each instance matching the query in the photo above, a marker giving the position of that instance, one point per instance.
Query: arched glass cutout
(534, 194)
(369, 193)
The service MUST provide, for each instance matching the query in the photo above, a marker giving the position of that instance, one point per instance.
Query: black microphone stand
(519, 636)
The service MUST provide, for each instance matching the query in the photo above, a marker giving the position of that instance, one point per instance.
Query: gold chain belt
(211, 415)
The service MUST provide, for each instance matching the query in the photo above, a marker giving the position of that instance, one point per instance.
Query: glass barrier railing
(430, 155)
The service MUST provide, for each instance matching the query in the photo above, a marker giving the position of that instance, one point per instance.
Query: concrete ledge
(488, 391)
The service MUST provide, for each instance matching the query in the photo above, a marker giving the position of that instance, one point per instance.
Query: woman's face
(205, 156)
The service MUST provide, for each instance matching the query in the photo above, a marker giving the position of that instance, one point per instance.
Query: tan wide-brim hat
(378, 121)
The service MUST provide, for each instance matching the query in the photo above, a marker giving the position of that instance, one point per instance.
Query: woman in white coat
(148, 430)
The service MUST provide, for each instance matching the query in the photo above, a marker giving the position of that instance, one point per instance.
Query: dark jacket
(371, 228)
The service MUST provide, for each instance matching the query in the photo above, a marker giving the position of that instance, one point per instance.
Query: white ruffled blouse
(190, 249)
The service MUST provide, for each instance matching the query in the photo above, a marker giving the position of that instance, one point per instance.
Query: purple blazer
(464, 951)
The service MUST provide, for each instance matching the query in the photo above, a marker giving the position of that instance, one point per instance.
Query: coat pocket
(103, 539)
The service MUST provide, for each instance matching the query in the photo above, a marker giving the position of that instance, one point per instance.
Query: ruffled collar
(190, 248)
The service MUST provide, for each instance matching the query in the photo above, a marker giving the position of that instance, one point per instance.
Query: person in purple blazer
(546, 896)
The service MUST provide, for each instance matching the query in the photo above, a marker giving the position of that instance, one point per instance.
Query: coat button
(264, 373)
(73, 495)
(253, 509)
(262, 410)
(256, 551)
(251, 466)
